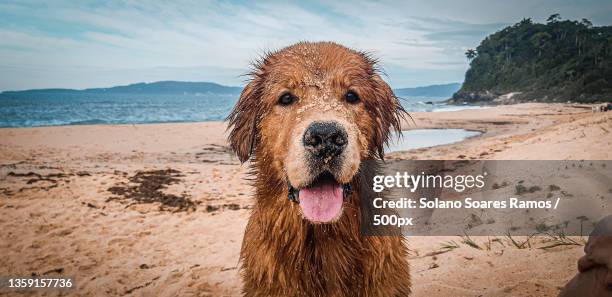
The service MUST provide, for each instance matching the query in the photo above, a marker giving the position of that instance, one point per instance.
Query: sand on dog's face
(319, 84)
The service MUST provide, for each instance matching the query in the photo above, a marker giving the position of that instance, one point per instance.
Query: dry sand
(56, 217)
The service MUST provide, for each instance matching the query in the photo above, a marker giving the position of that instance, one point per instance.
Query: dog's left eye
(351, 97)
(286, 99)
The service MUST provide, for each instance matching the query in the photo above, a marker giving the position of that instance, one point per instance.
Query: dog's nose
(325, 139)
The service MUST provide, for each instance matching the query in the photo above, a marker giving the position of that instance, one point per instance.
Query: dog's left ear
(243, 120)
(389, 113)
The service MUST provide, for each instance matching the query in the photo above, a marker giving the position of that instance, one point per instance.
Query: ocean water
(32, 110)
(55, 109)
(421, 138)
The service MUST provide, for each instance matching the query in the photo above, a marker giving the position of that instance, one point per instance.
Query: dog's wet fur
(312, 112)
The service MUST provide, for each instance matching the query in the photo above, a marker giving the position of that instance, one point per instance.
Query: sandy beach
(160, 209)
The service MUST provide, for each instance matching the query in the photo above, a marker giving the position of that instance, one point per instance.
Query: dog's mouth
(322, 200)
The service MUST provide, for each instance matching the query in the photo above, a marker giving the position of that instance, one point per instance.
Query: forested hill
(561, 60)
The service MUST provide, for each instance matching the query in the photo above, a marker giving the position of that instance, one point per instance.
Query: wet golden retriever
(311, 113)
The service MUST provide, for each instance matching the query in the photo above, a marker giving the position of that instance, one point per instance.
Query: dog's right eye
(286, 99)
(351, 97)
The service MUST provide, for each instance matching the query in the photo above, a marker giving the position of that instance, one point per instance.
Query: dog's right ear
(243, 120)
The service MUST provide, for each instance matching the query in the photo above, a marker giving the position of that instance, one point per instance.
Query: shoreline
(98, 122)
(57, 210)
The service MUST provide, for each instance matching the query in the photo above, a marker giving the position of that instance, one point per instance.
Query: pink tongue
(321, 203)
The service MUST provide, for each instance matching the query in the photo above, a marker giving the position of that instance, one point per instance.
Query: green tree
(554, 18)
(526, 21)
(540, 41)
(470, 54)
(586, 23)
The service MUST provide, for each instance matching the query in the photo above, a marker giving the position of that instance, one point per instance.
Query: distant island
(160, 87)
(180, 87)
(559, 61)
(445, 90)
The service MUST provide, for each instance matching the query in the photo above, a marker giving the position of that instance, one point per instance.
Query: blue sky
(80, 44)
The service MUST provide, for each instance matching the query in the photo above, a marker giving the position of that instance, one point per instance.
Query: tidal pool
(420, 138)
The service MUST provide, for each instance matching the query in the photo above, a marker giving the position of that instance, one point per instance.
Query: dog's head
(310, 114)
